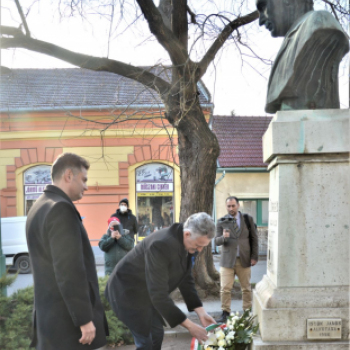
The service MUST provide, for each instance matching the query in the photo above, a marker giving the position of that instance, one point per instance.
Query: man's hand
(253, 262)
(206, 320)
(88, 332)
(116, 234)
(226, 233)
(196, 331)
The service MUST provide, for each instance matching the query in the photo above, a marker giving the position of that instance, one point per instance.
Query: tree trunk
(198, 152)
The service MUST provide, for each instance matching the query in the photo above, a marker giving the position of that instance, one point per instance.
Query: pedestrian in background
(236, 233)
(68, 313)
(126, 217)
(115, 243)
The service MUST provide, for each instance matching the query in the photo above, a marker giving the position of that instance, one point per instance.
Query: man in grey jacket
(236, 233)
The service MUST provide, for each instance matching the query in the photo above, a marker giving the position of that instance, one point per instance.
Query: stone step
(258, 344)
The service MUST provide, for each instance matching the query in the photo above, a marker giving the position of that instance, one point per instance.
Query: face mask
(123, 208)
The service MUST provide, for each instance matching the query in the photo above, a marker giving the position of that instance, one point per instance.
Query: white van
(14, 243)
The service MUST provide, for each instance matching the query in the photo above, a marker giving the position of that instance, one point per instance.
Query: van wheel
(22, 264)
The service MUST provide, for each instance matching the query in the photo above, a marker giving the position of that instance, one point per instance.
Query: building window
(257, 208)
(154, 197)
(35, 181)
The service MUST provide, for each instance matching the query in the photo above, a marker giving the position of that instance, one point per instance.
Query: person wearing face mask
(116, 243)
(126, 217)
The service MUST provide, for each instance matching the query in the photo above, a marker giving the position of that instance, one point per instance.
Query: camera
(116, 228)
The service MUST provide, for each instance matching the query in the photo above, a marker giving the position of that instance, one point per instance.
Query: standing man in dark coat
(236, 233)
(126, 217)
(68, 313)
(139, 287)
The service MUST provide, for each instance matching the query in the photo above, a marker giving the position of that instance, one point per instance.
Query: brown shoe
(223, 317)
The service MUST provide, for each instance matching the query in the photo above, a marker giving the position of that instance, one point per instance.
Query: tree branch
(177, 52)
(12, 31)
(24, 21)
(337, 7)
(89, 62)
(179, 23)
(192, 14)
(220, 40)
(332, 6)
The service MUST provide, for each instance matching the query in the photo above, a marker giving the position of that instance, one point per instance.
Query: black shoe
(223, 317)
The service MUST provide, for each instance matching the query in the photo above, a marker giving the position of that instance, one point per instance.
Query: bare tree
(169, 24)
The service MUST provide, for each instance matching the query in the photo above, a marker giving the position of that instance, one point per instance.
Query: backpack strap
(247, 222)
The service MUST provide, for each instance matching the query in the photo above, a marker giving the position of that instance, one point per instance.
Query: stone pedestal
(308, 247)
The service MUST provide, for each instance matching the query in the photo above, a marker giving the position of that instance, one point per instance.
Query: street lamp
(3, 290)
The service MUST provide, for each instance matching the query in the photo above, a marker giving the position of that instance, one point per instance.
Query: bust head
(279, 15)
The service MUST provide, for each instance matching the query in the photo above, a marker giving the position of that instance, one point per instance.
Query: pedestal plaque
(328, 328)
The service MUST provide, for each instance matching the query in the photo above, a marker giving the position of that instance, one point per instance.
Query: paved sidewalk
(180, 342)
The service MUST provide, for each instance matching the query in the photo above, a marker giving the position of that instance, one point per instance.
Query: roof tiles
(240, 140)
(34, 89)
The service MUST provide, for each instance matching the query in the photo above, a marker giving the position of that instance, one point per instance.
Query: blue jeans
(154, 340)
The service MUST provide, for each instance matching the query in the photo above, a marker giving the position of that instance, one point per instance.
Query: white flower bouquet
(235, 334)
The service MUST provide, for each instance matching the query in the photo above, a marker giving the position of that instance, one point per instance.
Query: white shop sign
(154, 187)
(34, 189)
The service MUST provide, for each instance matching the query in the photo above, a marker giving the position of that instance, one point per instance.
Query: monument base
(303, 301)
(283, 314)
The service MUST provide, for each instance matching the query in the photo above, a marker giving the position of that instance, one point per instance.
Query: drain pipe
(213, 245)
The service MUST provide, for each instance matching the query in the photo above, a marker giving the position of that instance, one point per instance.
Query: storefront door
(154, 198)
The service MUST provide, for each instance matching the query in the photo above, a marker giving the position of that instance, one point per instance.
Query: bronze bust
(305, 72)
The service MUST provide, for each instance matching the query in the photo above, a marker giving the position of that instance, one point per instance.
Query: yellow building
(114, 122)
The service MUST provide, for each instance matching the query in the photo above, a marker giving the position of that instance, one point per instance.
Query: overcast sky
(237, 83)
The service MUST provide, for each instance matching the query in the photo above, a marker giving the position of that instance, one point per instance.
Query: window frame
(258, 213)
(171, 193)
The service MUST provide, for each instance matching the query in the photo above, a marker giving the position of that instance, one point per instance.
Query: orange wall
(99, 202)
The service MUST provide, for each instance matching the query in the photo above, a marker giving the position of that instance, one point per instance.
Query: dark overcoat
(146, 276)
(248, 244)
(66, 289)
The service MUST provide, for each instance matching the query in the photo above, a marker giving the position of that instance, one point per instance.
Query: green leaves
(244, 327)
(16, 320)
(6, 280)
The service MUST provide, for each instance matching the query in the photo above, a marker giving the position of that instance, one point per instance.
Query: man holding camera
(236, 234)
(116, 243)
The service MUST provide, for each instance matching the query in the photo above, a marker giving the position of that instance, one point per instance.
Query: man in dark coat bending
(139, 287)
(68, 313)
